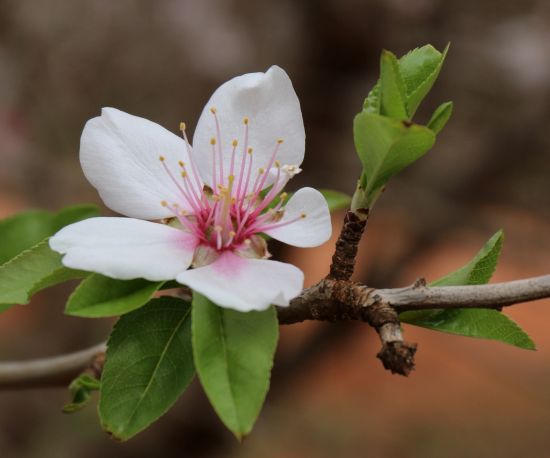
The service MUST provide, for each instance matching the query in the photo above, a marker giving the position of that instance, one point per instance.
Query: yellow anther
(245, 120)
(181, 163)
(182, 126)
(261, 170)
(213, 110)
(176, 205)
(218, 228)
(162, 158)
(277, 164)
(283, 196)
(164, 203)
(231, 179)
(232, 233)
(247, 242)
(302, 215)
(249, 150)
(212, 141)
(234, 143)
(183, 213)
(184, 174)
(280, 140)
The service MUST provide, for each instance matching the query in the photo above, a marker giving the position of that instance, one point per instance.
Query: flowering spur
(215, 198)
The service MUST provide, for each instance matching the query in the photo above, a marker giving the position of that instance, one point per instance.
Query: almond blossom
(214, 200)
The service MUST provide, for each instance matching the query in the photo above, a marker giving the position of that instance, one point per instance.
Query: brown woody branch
(329, 300)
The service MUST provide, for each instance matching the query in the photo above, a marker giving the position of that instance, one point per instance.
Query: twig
(343, 259)
(55, 371)
(493, 296)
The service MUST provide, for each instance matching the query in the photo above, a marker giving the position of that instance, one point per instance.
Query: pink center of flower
(226, 213)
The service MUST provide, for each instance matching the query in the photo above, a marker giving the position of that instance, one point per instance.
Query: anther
(232, 233)
(261, 170)
(245, 120)
(249, 150)
(181, 163)
(182, 126)
(184, 174)
(283, 196)
(280, 140)
(213, 110)
(162, 158)
(212, 141)
(302, 215)
(234, 143)
(277, 164)
(218, 228)
(164, 203)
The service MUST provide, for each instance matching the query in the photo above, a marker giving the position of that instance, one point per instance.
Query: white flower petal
(269, 102)
(125, 248)
(120, 154)
(245, 284)
(313, 230)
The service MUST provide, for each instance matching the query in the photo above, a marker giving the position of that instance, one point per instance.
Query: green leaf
(386, 146)
(149, 363)
(440, 117)
(99, 296)
(81, 389)
(23, 230)
(480, 269)
(31, 271)
(72, 214)
(234, 355)
(480, 323)
(392, 88)
(336, 200)
(420, 69)
(372, 102)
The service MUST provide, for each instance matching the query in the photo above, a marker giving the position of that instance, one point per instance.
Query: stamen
(187, 197)
(214, 178)
(198, 184)
(234, 143)
(260, 228)
(232, 235)
(181, 215)
(241, 189)
(213, 110)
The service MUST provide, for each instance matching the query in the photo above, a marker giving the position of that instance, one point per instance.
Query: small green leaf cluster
(386, 138)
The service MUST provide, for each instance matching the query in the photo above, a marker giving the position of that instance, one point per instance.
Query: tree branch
(329, 300)
(55, 371)
(492, 296)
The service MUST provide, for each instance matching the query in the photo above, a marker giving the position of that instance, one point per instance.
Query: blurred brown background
(61, 61)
